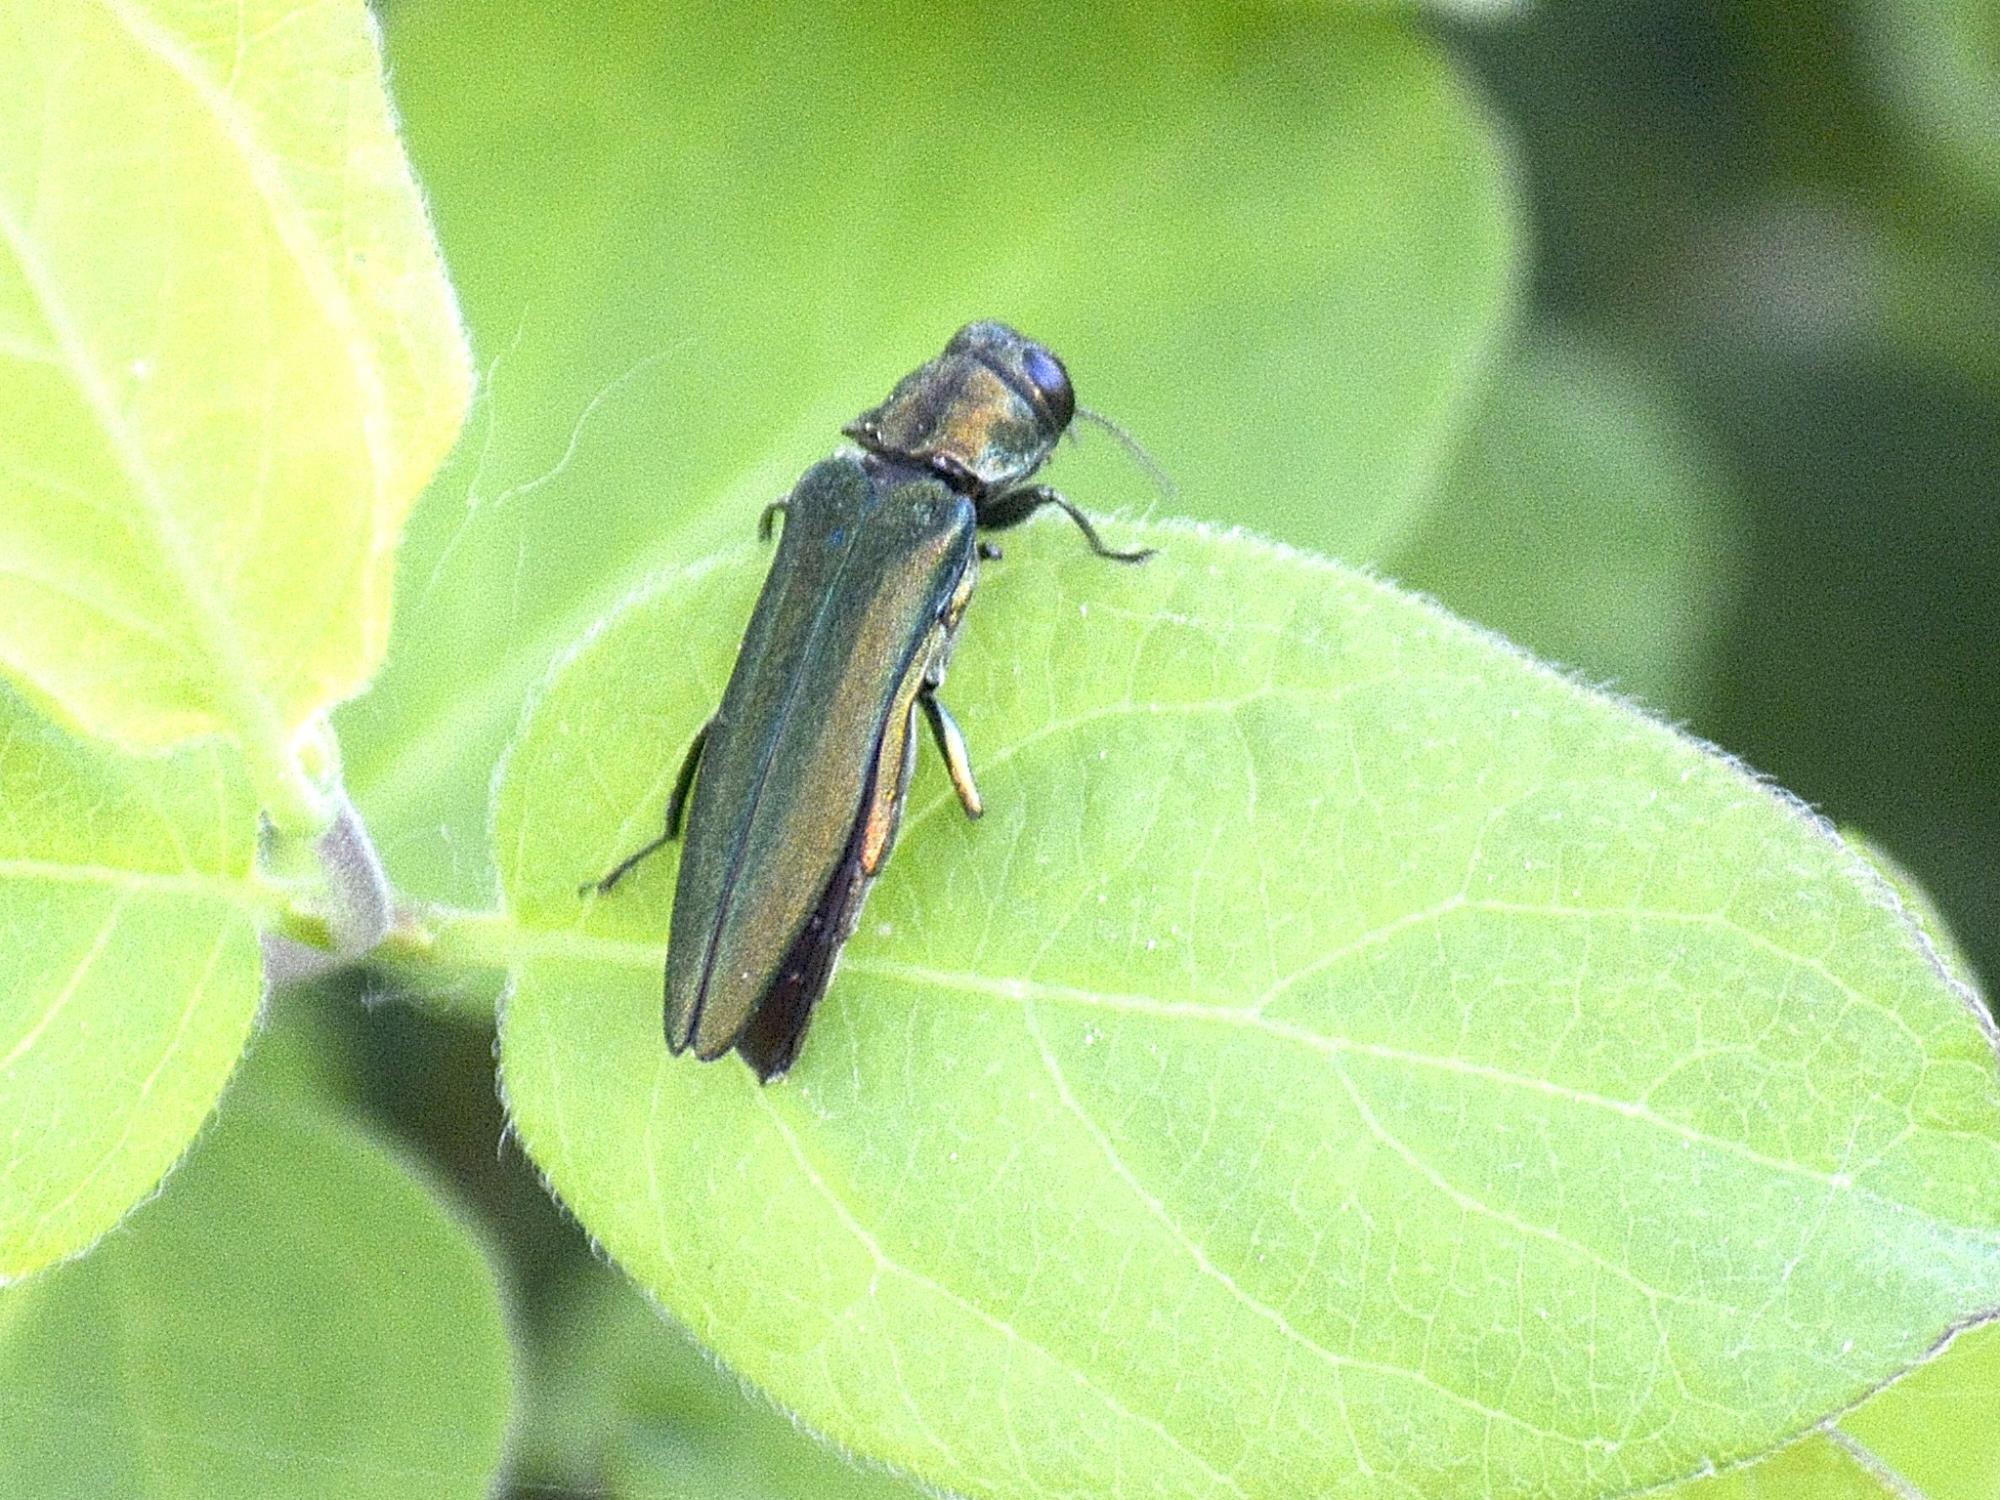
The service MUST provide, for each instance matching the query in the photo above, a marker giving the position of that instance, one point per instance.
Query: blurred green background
(1662, 337)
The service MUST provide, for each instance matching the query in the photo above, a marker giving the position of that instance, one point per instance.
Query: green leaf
(130, 975)
(295, 1316)
(1927, 1437)
(1922, 907)
(1347, 1058)
(1816, 1469)
(229, 359)
(1930, 1435)
(1585, 518)
(1934, 1428)
(631, 1405)
(1263, 228)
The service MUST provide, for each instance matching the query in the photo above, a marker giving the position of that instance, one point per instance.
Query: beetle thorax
(983, 416)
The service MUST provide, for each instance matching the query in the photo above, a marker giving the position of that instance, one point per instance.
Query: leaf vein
(93, 951)
(196, 992)
(1334, 1359)
(1219, 1015)
(1006, 1330)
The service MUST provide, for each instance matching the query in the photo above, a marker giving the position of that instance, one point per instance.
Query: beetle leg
(951, 744)
(771, 513)
(1011, 509)
(676, 805)
(684, 782)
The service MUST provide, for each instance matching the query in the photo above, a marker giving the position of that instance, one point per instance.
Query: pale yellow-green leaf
(229, 360)
(1935, 1428)
(1922, 907)
(1347, 1059)
(129, 973)
(1818, 1468)
(1930, 1436)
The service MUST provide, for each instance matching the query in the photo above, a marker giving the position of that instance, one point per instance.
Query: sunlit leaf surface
(1346, 1059)
(1930, 1435)
(228, 357)
(129, 973)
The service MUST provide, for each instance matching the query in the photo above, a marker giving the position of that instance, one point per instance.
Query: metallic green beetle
(805, 765)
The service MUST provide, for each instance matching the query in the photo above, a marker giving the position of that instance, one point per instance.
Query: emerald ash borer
(794, 789)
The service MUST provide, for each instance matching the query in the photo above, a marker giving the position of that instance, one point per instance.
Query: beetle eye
(1051, 382)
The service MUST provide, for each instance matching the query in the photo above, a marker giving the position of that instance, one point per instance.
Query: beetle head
(984, 414)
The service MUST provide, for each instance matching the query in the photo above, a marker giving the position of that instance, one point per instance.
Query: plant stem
(363, 906)
(456, 938)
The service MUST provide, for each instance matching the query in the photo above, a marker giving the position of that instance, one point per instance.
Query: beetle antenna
(1161, 479)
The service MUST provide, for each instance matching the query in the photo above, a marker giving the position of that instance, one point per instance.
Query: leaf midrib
(216, 634)
(500, 941)
(243, 892)
(293, 226)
